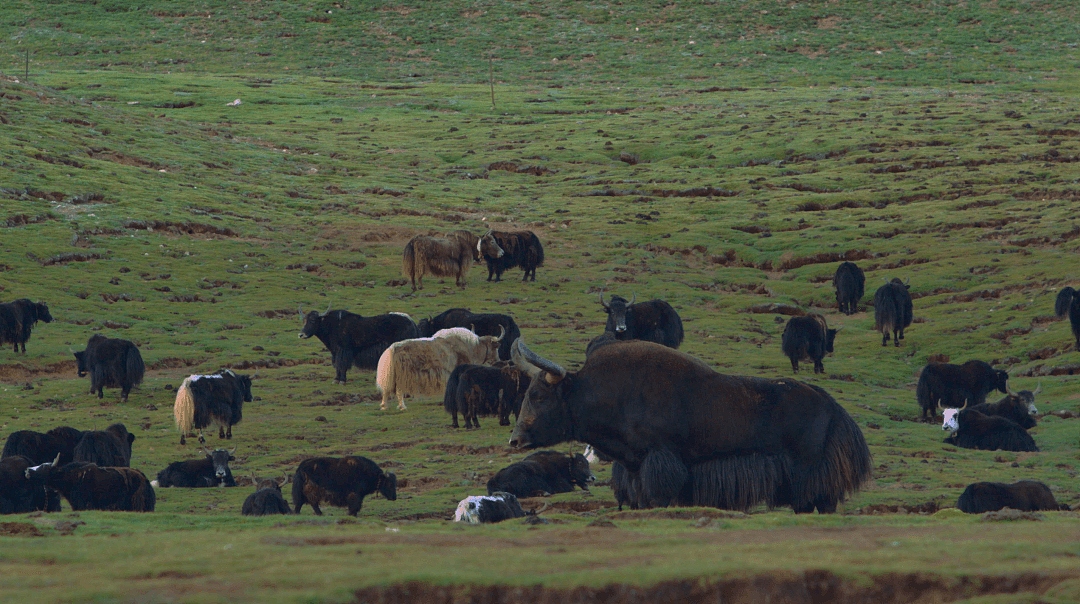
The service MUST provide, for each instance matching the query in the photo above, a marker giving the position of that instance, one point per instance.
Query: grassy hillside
(723, 156)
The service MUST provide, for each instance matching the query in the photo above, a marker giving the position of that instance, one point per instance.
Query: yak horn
(57, 460)
(544, 364)
(602, 303)
(328, 308)
(300, 309)
(632, 298)
(1038, 389)
(502, 332)
(284, 479)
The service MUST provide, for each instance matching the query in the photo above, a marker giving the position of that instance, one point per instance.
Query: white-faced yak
(209, 471)
(692, 436)
(973, 430)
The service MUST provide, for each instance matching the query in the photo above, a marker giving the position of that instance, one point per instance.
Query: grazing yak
(17, 494)
(484, 509)
(89, 487)
(450, 256)
(947, 385)
(18, 318)
(652, 321)
(111, 363)
(422, 366)
(1024, 495)
(41, 448)
(482, 390)
(356, 340)
(503, 250)
(973, 430)
(541, 474)
(892, 310)
(1067, 304)
(1018, 407)
(482, 324)
(340, 482)
(210, 471)
(807, 337)
(850, 284)
(693, 436)
(205, 400)
(110, 447)
(266, 500)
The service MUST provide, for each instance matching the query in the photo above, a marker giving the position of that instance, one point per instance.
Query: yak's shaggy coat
(439, 256)
(422, 366)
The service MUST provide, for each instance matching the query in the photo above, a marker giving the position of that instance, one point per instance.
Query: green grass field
(722, 156)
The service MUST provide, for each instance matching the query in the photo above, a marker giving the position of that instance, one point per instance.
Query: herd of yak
(676, 431)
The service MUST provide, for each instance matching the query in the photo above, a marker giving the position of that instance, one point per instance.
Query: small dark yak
(1018, 407)
(110, 447)
(652, 321)
(850, 284)
(892, 310)
(41, 448)
(111, 363)
(1067, 304)
(89, 487)
(209, 471)
(503, 250)
(807, 337)
(948, 385)
(692, 436)
(17, 494)
(476, 390)
(482, 324)
(1024, 495)
(17, 320)
(973, 430)
(356, 340)
(543, 473)
(340, 482)
(266, 500)
(206, 400)
(438, 256)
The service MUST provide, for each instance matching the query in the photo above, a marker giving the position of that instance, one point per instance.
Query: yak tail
(927, 400)
(184, 408)
(409, 262)
(1063, 302)
(299, 480)
(144, 498)
(845, 464)
(135, 367)
(384, 372)
(450, 400)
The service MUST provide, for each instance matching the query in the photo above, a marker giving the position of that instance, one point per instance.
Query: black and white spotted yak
(543, 473)
(354, 340)
(209, 471)
(206, 400)
(89, 487)
(341, 482)
(17, 320)
(948, 385)
(652, 321)
(485, 509)
(807, 337)
(973, 430)
(111, 363)
(1024, 495)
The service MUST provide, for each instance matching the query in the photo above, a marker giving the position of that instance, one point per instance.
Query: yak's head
(220, 459)
(41, 312)
(80, 362)
(490, 345)
(425, 328)
(41, 473)
(388, 486)
(830, 338)
(616, 309)
(545, 416)
(245, 385)
(580, 474)
(312, 321)
(1000, 381)
(951, 421)
(488, 247)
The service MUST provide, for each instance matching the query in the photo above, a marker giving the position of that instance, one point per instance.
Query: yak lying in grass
(1025, 495)
(542, 473)
(266, 500)
(89, 487)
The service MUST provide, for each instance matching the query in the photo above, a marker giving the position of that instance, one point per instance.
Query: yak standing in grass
(1024, 495)
(41, 448)
(948, 385)
(111, 363)
(356, 340)
(807, 337)
(1067, 304)
(18, 318)
(692, 436)
(450, 256)
(850, 283)
(502, 250)
(340, 482)
(652, 321)
(482, 324)
(210, 471)
(973, 430)
(110, 447)
(482, 390)
(541, 474)
(892, 310)
(206, 400)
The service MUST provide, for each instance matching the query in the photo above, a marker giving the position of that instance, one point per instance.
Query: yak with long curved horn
(552, 368)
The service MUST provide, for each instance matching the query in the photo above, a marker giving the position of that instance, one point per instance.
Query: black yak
(652, 321)
(482, 390)
(947, 385)
(89, 487)
(111, 363)
(356, 340)
(849, 282)
(41, 448)
(502, 250)
(17, 494)
(807, 337)
(1024, 495)
(209, 471)
(482, 324)
(693, 436)
(1067, 304)
(973, 430)
(206, 400)
(892, 310)
(110, 447)
(340, 482)
(18, 318)
(484, 509)
(266, 500)
(543, 473)
(1018, 407)
(439, 256)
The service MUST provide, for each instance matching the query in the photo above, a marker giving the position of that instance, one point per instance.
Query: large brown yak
(450, 256)
(692, 436)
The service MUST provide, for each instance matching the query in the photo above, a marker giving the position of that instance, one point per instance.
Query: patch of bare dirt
(20, 372)
(20, 529)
